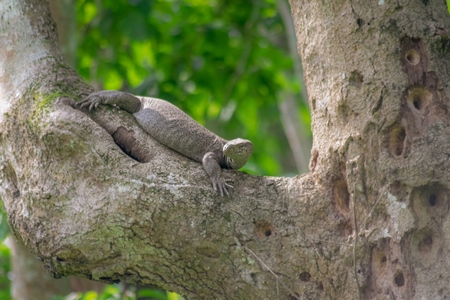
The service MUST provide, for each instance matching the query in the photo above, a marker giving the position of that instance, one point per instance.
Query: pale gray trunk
(378, 75)
(30, 280)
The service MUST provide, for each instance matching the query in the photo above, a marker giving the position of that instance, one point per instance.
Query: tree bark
(369, 220)
(31, 281)
(378, 78)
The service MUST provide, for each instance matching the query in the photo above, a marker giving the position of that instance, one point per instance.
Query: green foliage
(5, 257)
(4, 227)
(115, 292)
(5, 269)
(223, 62)
(110, 292)
(151, 294)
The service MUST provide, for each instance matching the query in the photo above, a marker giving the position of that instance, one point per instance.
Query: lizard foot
(220, 185)
(91, 102)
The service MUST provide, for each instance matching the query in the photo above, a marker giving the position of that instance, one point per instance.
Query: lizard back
(176, 130)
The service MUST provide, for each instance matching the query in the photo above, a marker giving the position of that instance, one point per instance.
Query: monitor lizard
(173, 128)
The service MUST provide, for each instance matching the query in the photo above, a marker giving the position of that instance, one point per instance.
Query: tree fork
(86, 208)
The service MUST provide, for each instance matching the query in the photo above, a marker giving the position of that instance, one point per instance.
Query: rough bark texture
(378, 77)
(31, 281)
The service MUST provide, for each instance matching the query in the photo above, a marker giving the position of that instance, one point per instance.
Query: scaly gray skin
(173, 128)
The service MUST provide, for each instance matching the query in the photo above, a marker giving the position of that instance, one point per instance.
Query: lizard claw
(220, 185)
(91, 102)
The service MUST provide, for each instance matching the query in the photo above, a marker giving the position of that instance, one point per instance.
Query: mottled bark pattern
(378, 75)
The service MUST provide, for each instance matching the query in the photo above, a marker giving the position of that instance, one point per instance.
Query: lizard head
(237, 152)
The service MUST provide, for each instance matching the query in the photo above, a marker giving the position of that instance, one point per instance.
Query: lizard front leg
(123, 100)
(212, 168)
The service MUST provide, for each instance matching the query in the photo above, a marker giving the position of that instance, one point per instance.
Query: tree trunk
(378, 78)
(368, 221)
(30, 280)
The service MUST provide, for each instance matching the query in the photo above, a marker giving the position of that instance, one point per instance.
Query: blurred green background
(225, 63)
(231, 65)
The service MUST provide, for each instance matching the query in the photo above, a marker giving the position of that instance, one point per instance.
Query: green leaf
(4, 227)
(153, 294)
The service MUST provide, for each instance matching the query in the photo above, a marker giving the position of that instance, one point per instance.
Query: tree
(368, 221)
